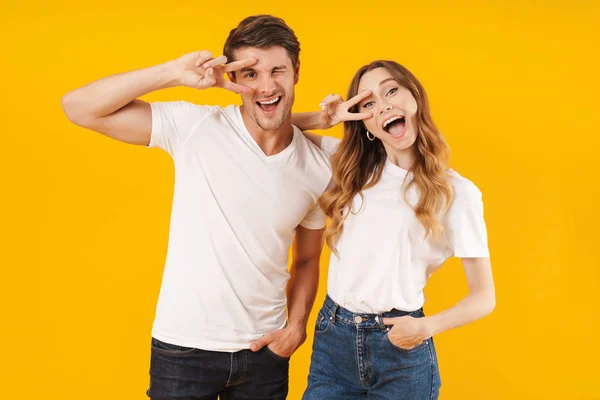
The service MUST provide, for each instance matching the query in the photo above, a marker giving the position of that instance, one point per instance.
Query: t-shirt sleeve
(315, 219)
(329, 144)
(173, 122)
(464, 225)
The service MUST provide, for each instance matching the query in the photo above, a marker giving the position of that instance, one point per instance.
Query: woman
(397, 213)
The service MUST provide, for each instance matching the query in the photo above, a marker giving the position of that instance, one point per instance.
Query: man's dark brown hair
(263, 31)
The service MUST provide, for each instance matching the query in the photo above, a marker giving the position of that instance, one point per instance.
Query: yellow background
(513, 84)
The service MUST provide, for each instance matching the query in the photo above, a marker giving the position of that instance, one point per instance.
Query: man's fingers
(258, 344)
(209, 78)
(389, 321)
(357, 99)
(203, 56)
(262, 342)
(234, 66)
(214, 62)
(236, 87)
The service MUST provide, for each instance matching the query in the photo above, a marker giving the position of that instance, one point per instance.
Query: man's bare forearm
(107, 95)
(301, 293)
(307, 121)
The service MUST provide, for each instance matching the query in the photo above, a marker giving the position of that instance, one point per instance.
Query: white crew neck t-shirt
(384, 260)
(234, 217)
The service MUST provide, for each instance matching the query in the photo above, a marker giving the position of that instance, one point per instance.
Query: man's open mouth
(269, 104)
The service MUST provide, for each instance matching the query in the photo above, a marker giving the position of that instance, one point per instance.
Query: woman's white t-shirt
(384, 258)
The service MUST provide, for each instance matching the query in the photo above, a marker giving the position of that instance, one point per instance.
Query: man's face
(272, 80)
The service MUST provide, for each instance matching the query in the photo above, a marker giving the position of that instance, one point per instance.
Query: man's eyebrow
(276, 68)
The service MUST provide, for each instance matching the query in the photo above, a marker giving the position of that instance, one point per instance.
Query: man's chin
(270, 127)
(270, 124)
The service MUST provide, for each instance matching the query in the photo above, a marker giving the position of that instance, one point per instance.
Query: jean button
(357, 319)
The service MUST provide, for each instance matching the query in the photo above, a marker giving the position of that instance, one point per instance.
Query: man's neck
(271, 142)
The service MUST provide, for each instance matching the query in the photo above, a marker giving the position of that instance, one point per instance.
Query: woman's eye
(392, 91)
(368, 104)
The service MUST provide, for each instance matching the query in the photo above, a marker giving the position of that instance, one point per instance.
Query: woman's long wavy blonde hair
(358, 163)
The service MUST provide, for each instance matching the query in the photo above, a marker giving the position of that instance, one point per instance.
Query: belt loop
(380, 320)
(333, 311)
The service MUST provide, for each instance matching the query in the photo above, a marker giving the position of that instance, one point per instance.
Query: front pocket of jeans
(322, 324)
(416, 348)
(275, 356)
(171, 349)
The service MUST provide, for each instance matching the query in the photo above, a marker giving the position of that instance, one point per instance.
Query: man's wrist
(319, 124)
(297, 332)
(298, 325)
(169, 74)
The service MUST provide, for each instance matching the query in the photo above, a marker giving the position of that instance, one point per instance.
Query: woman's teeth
(395, 123)
(390, 120)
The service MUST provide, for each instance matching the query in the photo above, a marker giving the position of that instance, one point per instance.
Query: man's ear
(297, 72)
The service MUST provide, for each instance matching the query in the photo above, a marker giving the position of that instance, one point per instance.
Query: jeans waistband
(365, 320)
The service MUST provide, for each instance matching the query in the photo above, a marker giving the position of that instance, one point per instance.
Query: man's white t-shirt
(384, 259)
(235, 212)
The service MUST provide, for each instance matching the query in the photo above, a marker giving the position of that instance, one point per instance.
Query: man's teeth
(390, 120)
(275, 100)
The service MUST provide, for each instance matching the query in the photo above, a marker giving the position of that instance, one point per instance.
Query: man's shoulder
(310, 151)
(214, 116)
(184, 107)
(315, 162)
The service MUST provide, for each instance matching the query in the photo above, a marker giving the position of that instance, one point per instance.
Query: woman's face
(394, 111)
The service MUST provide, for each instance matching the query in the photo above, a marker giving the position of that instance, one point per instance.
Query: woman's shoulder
(463, 188)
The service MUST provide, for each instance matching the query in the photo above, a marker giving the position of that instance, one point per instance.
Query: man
(246, 187)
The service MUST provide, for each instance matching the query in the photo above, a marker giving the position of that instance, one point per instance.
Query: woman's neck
(401, 158)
